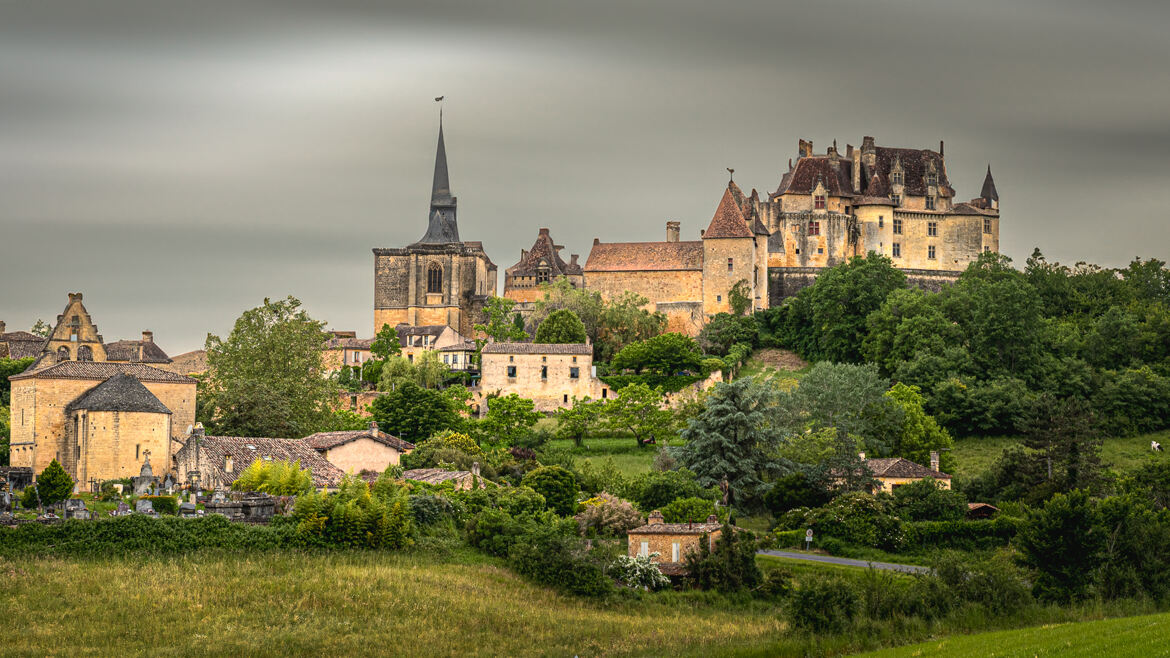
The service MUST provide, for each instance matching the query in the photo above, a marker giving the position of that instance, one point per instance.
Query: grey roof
(988, 192)
(245, 450)
(420, 330)
(20, 344)
(143, 351)
(122, 392)
(433, 475)
(537, 348)
(897, 467)
(441, 228)
(102, 370)
(465, 346)
(329, 440)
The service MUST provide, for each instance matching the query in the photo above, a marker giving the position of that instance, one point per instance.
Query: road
(813, 557)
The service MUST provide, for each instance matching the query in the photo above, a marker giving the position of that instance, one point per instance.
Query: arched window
(434, 278)
(62, 354)
(85, 353)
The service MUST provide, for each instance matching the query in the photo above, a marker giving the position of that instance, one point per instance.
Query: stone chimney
(804, 148)
(2, 326)
(373, 427)
(934, 460)
(573, 259)
(833, 154)
(74, 297)
(655, 518)
(861, 456)
(940, 148)
(475, 469)
(544, 231)
(672, 229)
(198, 431)
(596, 241)
(148, 336)
(712, 519)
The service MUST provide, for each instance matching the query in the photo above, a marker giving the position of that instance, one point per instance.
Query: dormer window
(819, 202)
(931, 178)
(930, 203)
(228, 464)
(897, 199)
(896, 177)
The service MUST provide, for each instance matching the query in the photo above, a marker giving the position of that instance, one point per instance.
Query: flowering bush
(638, 571)
(605, 514)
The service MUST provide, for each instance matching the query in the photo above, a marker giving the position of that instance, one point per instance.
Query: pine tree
(54, 484)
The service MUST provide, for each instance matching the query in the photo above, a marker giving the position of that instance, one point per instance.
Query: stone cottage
(671, 541)
(360, 450)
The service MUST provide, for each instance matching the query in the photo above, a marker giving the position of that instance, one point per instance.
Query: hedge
(789, 538)
(163, 504)
(962, 535)
(669, 383)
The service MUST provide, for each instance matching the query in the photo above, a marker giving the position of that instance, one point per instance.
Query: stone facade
(220, 460)
(539, 265)
(549, 375)
(344, 348)
(671, 541)
(893, 472)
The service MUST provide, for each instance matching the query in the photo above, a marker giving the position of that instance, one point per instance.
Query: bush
(514, 501)
(793, 491)
(431, 509)
(54, 485)
(557, 485)
(550, 557)
(638, 572)
(855, 517)
(668, 383)
(995, 584)
(823, 605)
(163, 504)
(927, 500)
(960, 535)
(777, 584)
(607, 515)
(688, 510)
(279, 478)
(1064, 543)
(728, 567)
(354, 518)
(655, 490)
(108, 493)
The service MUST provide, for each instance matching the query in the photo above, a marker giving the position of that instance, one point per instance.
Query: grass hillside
(976, 454)
(359, 603)
(1147, 635)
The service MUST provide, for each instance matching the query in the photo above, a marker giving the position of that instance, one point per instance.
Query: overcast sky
(178, 165)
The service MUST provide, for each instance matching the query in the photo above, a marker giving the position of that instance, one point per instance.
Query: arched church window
(85, 353)
(434, 278)
(62, 354)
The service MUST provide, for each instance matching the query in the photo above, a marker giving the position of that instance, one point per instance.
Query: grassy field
(340, 604)
(975, 455)
(1147, 635)
(627, 456)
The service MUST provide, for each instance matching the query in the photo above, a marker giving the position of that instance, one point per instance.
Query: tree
(740, 297)
(729, 567)
(430, 370)
(908, 323)
(625, 320)
(561, 326)
(267, 377)
(927, 500)
(608, 516)
(587, 305)
(574, 422)
(688, 510)
(1061, 431)
(54, 484)
(386, 343)
(1063, 544)
(919, 433)
(413, 413)
(41, 328)
(509, 419)
(499, 325)
(5, 434)
(849, 398)
(637, 409)
(665, 354)
(557, 485)
(724, 330)
(657, 489)
(395, 371)
(729, 444)
(8, 368)
(792, 491)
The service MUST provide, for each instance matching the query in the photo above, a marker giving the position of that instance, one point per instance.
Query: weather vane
(731, 173)
(439, 100)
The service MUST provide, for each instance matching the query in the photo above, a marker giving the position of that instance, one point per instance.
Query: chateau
(827, 208)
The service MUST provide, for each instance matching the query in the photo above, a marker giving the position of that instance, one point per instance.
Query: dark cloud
(178, 163)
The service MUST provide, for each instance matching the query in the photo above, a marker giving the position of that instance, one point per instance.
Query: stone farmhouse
(893, 472)
(360, 450)
(344, 348)
(550, 375)
(99, 409)
(671, 541)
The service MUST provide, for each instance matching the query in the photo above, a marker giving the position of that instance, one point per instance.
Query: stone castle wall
(786, 282)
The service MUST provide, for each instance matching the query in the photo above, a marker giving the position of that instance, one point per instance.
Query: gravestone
(188, 511)
(258, 507)
(75, 509)
(168, 484)
(145, 479)
(144, 507)
(122, 510)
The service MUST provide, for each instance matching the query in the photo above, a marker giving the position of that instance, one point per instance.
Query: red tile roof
(537, 348)
(645, 256)
(329, 440)
(728, 221)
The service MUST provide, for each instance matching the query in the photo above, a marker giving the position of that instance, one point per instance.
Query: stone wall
(718, 278)
(788, 281)
(109, 445)
(363, 455)
(549, 393)
(657, 286)
(663, 545)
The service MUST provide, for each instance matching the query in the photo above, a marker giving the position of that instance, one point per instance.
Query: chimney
(934, 460)
(712, 519)
(849, 151)
(544, 231)
(596, 241)
(702, 231)
(833, 154)
(940, 148)
(2, 326)
(148, 336)
(373, 427)
(198, 430)
(655, 518)
(861, 456)
(475, 469)
(804, 148)
(868, 151)
(672, 231)
(74, 297)
(573, 259)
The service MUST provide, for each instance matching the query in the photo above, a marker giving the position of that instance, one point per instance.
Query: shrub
(354, 518)
(550, 557)
(279, 478)
(960, 535)
(108, 493)
(927, 500)
(855, 517)
(638, 572)
(607, 515)
(793, 491)
(431, 509)
(514, 501)
(655, 490)
(163, 504)
(777, 584)
(728, 567)
(687, 510)
(996, 584)
(452, 439)
(1063, 542)
(823, 605)
(54, 484)
(557, 485)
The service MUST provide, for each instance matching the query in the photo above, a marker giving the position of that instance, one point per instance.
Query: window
(410, 358)
(574, 359)
(434, 278)
(574, 373)
(357, 357)
(544, 359)
(445, 359)
(932, 178)
(896, 177)
(544, 372)
(814, 228)
(730, 264)
(227, 463)
(847, 209)
(511, 372)
(881, 221)
(542, 276)
(932, 228)
(644, 549)
(987, 226)
(930, 251)
(897, 227)
(930, 203)
(986, 248)
(566, 398)
(897, 198)
(674, 552)
(819, 201)
(511, 359)
(820, 250)
(137, 451)
(85, 353)
(62, 354)
(897, 249)
(604, 393)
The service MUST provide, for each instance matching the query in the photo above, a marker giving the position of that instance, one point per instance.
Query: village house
(97, 408)
(550, 375)
(344, 348)
(360, 450)
(893, 472)
(671, 541)
(219, 460)
(19, 344)
(453, 349)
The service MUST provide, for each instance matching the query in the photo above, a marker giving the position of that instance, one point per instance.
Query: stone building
(97, 409)
(550, 375)
(671, 541)
(19, 344)
(893, 472)
(220, 460)
(897, 202)
(439, 279)
(360, 450)
(541, 264)
(344, 348)
(689, 280)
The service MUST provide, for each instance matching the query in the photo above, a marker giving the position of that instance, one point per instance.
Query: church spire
(441, 227)
(988, 191)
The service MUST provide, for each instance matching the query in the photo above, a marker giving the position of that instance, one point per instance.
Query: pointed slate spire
(441, 228)
(441, 187)
(988, 191)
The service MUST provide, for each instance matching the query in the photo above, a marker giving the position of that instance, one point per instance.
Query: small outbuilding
(671, 541)
(360, 450)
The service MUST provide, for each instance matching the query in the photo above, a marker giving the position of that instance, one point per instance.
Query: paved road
(813, 557)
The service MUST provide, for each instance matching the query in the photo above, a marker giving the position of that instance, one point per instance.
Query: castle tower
(731, 255)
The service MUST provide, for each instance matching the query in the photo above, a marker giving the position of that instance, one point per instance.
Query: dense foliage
(278, 477)
(561, 326)
(414, 413)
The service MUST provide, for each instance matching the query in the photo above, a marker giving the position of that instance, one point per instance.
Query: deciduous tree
(561, 327)
(637, 409)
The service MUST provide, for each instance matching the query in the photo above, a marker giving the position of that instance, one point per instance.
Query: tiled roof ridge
(537, 348)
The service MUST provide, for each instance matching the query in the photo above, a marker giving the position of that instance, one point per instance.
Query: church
(439, 280)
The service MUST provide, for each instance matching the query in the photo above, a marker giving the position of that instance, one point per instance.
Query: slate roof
(442, 227)
(20, 344)
(645, 256)
(971, 209)
(914, 167)
(136, 351)
(988, 192)
(802, 179)
(433, 475)
(422, 330)
(543, 255)
(122, 392)
(103, 370)
(465, 346)
(728, 221)
(676, 529)
(349, 343)
(245, 450)
(897, 467)
(537, 348)
(329, 440)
